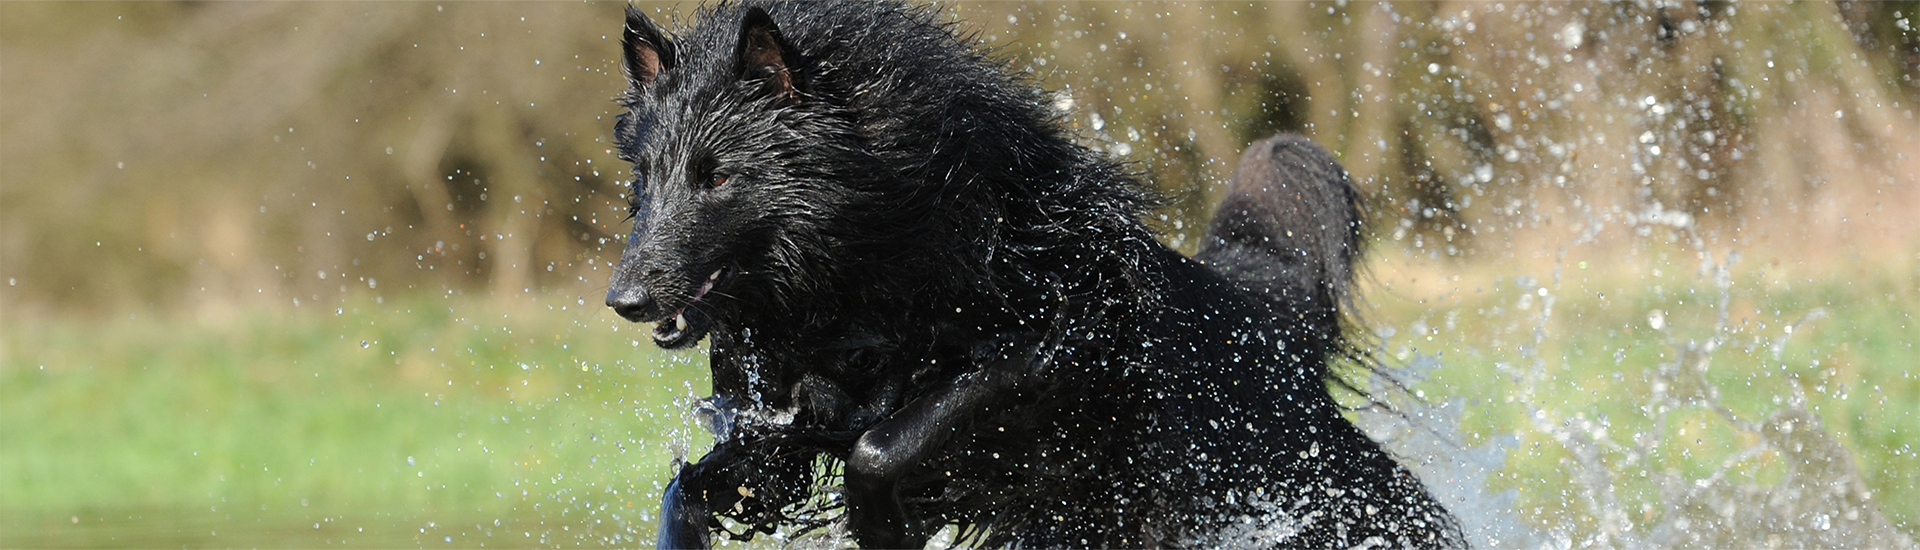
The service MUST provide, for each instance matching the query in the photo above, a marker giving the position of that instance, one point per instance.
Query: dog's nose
(631, 303)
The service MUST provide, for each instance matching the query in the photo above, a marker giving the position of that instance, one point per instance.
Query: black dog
(909, 271)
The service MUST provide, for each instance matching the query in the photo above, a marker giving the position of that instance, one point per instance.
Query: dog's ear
(647, 49)
(764, 55)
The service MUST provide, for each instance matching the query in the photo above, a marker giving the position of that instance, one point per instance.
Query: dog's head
(737, 174)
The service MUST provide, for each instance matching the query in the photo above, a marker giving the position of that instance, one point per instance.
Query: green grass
(404, 423)
(1598, 356)
(450, 421)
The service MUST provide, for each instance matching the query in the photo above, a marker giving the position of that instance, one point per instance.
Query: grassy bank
(427, 421)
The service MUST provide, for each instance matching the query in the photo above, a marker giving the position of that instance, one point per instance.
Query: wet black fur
(904, 230)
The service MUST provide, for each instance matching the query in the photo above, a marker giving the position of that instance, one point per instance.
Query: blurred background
(329, 273)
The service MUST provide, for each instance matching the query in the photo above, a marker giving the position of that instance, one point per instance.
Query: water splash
(1783, 481)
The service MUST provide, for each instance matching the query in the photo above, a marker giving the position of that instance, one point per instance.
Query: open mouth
(686, 327)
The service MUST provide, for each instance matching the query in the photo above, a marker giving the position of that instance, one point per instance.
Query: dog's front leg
(889, 449)
(683, 512)
(686, 509)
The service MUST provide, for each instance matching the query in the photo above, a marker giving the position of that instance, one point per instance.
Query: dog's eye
(716, 179)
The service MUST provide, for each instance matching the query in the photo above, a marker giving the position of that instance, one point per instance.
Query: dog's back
(1204, 412)
(1287, 236)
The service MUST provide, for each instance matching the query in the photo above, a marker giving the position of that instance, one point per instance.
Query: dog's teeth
(715, 276)
(680, 322)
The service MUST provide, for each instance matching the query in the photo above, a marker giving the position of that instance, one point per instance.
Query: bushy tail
(1289, 232)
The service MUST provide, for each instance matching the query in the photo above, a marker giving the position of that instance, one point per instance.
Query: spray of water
(1788, 482)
